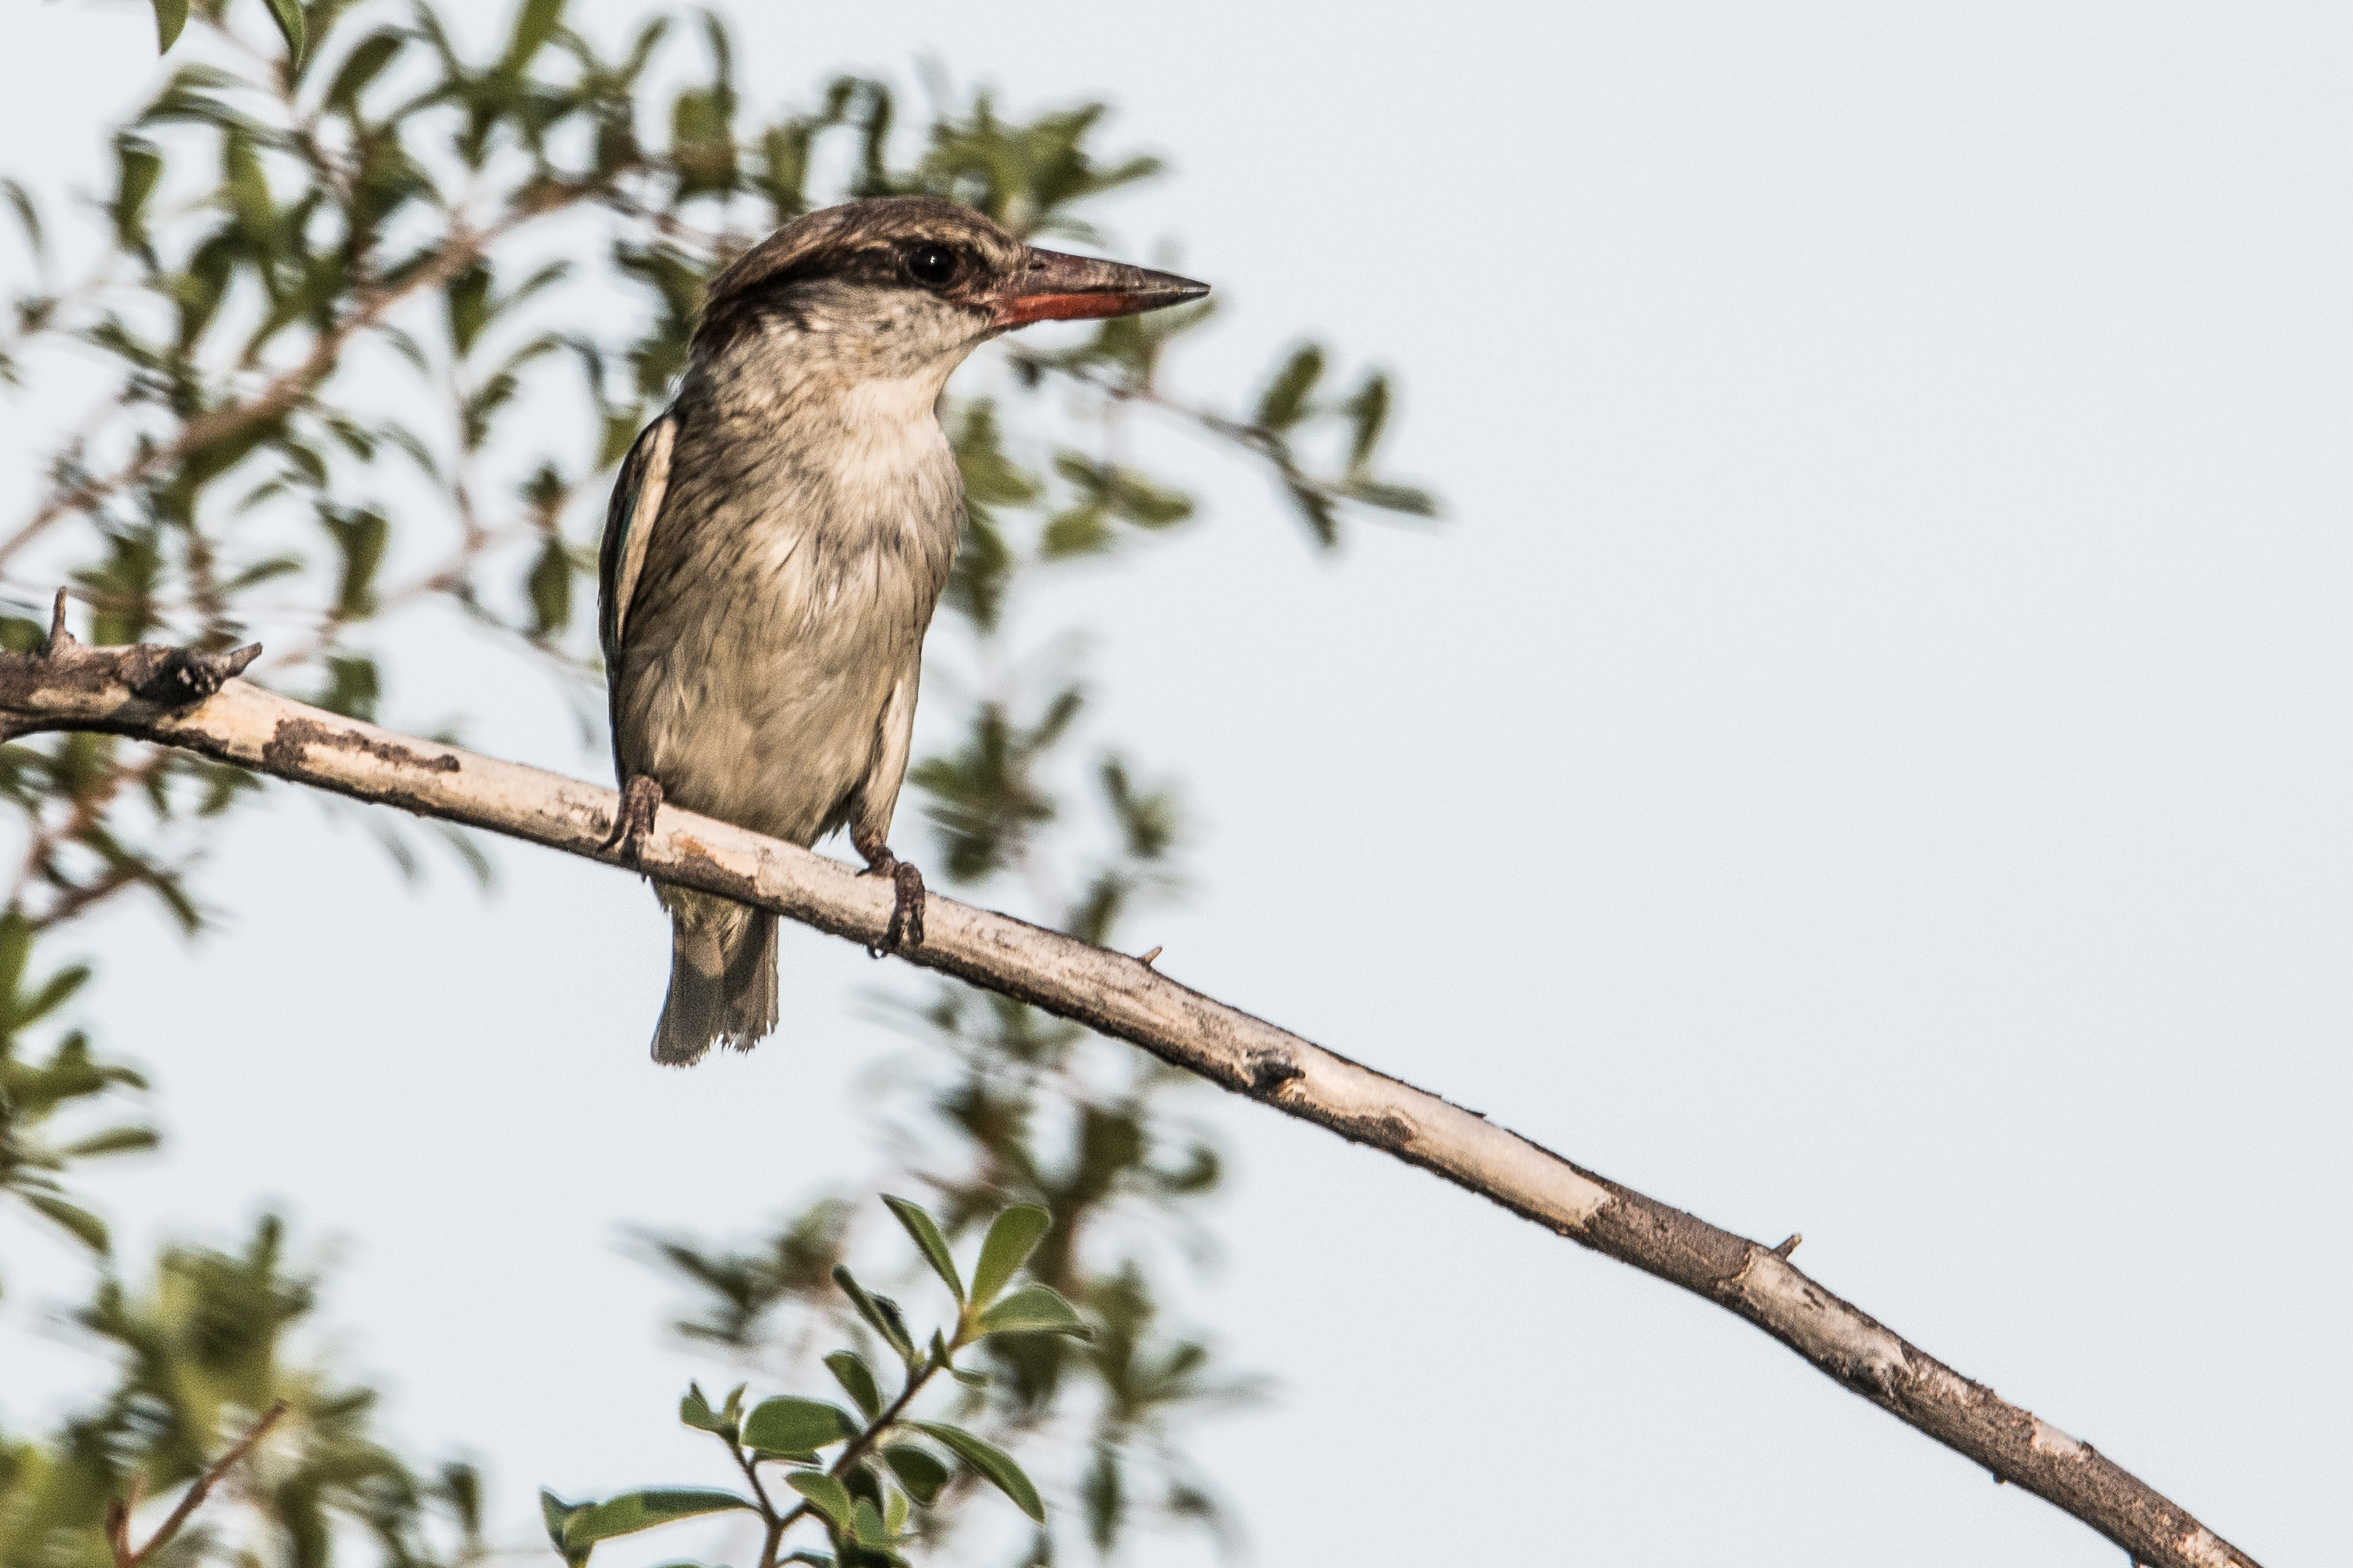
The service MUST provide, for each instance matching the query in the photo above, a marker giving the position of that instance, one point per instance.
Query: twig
(88, 807)
(768, 1518)
(862, 1443)
(118, 1512)
(1121, 997)
(287, 387)
(77, 899)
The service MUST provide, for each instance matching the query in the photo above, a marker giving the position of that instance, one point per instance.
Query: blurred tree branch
(288, 387)
(210, 1358)
(144, 693)
(118, 1512)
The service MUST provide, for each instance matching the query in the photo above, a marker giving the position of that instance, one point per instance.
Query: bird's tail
(723, 979)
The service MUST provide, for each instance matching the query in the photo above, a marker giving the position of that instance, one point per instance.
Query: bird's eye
(933, 266)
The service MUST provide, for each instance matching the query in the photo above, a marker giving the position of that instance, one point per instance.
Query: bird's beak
(1057, 288)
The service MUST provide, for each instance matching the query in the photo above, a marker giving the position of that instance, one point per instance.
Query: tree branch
(119, 1512)
(188, 701)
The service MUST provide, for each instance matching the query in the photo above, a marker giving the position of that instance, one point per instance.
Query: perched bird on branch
(775, 545)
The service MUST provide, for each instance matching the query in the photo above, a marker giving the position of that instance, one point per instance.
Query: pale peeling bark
(189, 701)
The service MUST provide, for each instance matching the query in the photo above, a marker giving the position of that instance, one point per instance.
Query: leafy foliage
(202, 1348)
(33, 1094)
(870, 1512)
(338, 254)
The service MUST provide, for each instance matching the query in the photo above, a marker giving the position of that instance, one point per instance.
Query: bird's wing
(877, 795)
(637, 491)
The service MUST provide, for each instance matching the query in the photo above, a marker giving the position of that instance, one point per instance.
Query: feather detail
(638, 494)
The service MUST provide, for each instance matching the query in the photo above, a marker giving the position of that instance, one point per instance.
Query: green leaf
(559, 1513)
(919, 1470)
(29, 217)
(550, 584)
(362, 66)
(993, 1464)
(866, 1524)
(85, 1227)
(1075, 531)
(468, 306)
(1104, 1495)
(696, 1412)
(1391, 498)
(115, 1140)
(1285, 400)
(882, 1313)
(459, 1485)
(1012, 1237)
(856, 1380)
(535, 22)
(1033, 1310)
(894, 1514)
(927, 1236)
(632, 1511)
(826, 1495)
(354, 686)
(361, 538)
(1144, 503)
(171, 16)
(787, 1425)
(1368, 411)
(288, 14)
(55, 992)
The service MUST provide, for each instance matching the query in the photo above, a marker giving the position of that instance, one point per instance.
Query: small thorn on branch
(175, 678)
(165, 677)
(1146, 958)
(58, 638)
(1797, 1239)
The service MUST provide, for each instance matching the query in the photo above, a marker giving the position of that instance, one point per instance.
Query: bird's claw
(906, 927)
(641, 797)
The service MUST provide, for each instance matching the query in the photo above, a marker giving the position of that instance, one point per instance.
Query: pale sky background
(1897, 615)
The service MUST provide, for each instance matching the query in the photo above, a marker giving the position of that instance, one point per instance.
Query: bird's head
(907, 285)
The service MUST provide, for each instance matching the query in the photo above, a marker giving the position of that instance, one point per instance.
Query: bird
(777, 542)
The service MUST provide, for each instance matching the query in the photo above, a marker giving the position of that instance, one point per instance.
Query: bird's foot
(906, 927)
(641, 797)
